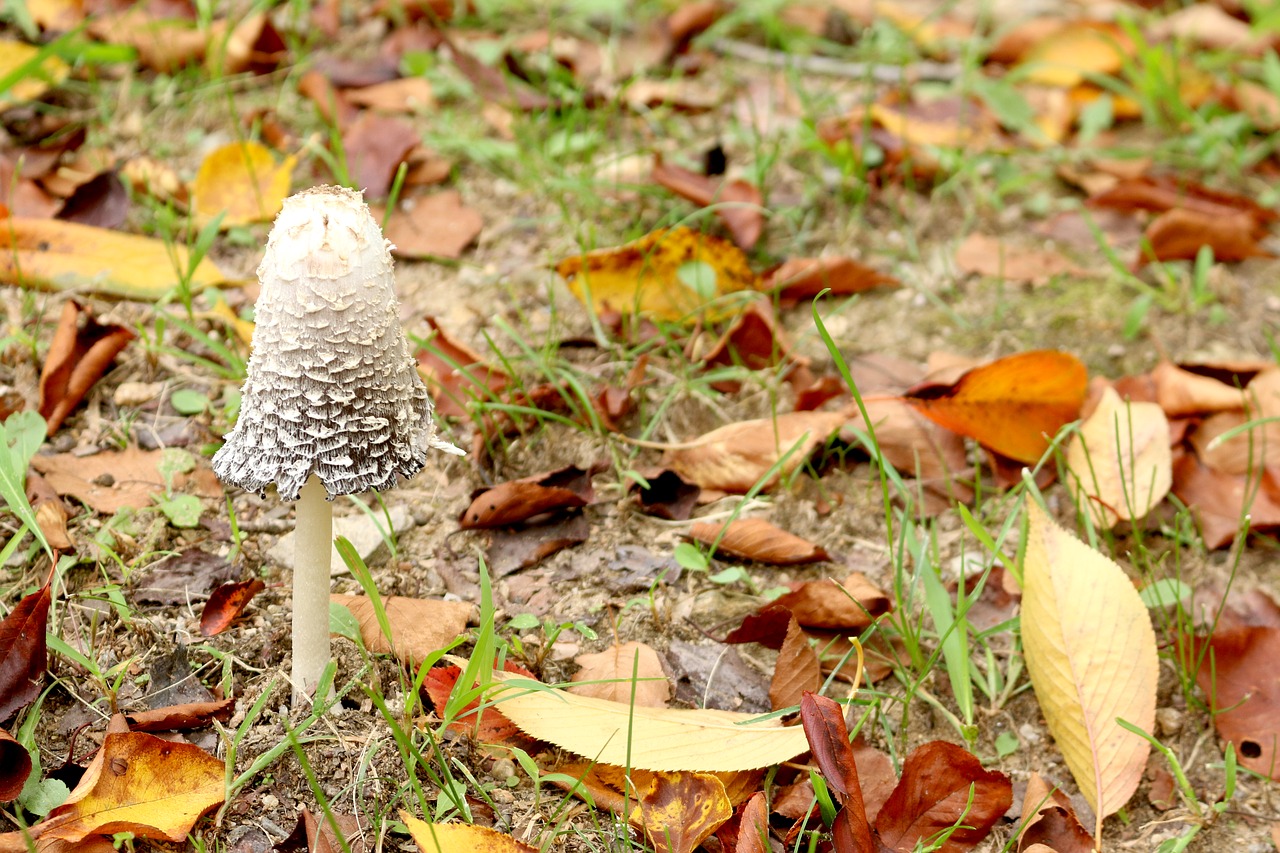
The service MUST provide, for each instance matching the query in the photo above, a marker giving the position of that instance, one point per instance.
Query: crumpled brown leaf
(81, 351)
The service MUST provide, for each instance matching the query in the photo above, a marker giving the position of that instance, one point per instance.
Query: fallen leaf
(102, 202)
(984, 255)
(1049, 820)
(757, 539)
(947, 122)
(404, 95)
(332, 106)
(460, 838)
(735, 457)
(241, 181)
(1219, 501)
(754, 340)
(1208, 26)
(146, 176)
(375, 146)
(164, 41)
(738, 204)
(51, 513)
(226, 604)
(1181, 392)
(55, 255)
(438, 225)
(1120, 460)
(753, 826)
(828, 738)
(419, 626)
(39, 77)
(1013, 405)
(671, 274)
(1179, 234)
(487, 725)
(456, 374)
(188, 574)
(318, 834)
(1159, 194)
(519, 500)
(676, 811)
(23, 656)
(253, 44)
(1067, 55)
(1256, 101)
(142, 784)
(797, 670)
(512, 550)
(190, 715)
(801, 279)
(15, 767)
(111, 480)
(1091, 652)
(628, 672)
(848, 606)
(81, 351)
(942, 786)
(668, 495)
(657, 739)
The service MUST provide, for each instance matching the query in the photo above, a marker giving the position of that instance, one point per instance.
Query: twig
(943, 72)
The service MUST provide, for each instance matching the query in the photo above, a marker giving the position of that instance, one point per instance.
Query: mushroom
(333, 403)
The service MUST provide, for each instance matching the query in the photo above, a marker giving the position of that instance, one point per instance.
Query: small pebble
(130, 394)
(503, 769)
(270, 802)
(1168, 721)
(1028, 733)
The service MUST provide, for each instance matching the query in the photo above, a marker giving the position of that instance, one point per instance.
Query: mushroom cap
(331, 387)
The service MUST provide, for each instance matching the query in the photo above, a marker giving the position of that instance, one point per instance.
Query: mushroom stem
(314, 544)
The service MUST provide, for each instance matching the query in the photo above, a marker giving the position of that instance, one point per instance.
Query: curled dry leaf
(735, 457)
(1013, 405)
(403, 95)
(754, 340)
(241, 181)
(1120, 460)
(1218, 500)
(512, 550)
(757, 539)
(419, 626)
(1161, 195)
(456, 374)
(753, 827)
(1181, 392)
(81, 351)
(828, 737)
(848, 606)
(626, 672)
(1180, 234)
(191, 715)
(797, 670)
(668, 495)
(225, 605)
(801, 279)
(657, 739)
(741, 207)
(438, 225)
(53, 255)
(1049, 820)
(672, 274)
(23, 654)
(51, 512)
(15, 767)
(519, 500)
(1091, 653)
(460, 838)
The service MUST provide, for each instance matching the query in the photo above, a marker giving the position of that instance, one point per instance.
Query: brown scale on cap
(331, 387)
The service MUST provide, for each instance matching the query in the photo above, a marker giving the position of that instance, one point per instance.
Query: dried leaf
(1013, 405)
(947, 122)
(757, 539)
(51, 512)
(15, 767)
(419, 626)
(740, 205)
(81, 351)
(985, 255)
(488, 725)
(1181, 392)
(1162, 194)
(668, 496)
(657, 739)
(630, 672)
(460, 838)
(54, 255)
(519, 500)
(455, 374)
(1219, 501)
(404, 95)
(754, 341)
(1179, 234)
(797, 670)
(178, 579)
(1068, 54)
(109, 481)
(801, 279)
(23, 656)
(190, 715)
(513, 550)
(735, 457)
(1210, 27)
(243, 182)
(316, 834)
(828, 737)
(672, 274)
(1120, 460)
(1049, 820)
(848, 606)
(753, 826)
(332, 106)
(375, 146)
(102, 202)
(438, 225)
(1091, 653)
(226, 604)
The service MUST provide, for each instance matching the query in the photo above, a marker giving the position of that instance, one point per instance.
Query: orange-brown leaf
(796, 671)
(757, 539)
(848, 606)
(438, 225)
(225, 605)
(15, 767)
(519, 500)
(1180, 233)
(81, 351)
(741, 203)
(625, 672)
(419, 626)
(801, 279)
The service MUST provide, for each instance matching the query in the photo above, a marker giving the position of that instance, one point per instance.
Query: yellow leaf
(244, 180)
(1071, 54)
(647, 738)
(1091, 653)
(460, 838)
(671, 274)
(50, 72)
(142, 784)
(54, 255)
(1120, 461)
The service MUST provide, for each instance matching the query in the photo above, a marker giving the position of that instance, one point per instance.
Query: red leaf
(15, 767)
(933, 794)
(225, 605)
(23, 657)
(828, 737)
(81, 351)
(492, 725)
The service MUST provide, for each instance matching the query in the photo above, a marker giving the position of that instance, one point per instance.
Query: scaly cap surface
(331, 387)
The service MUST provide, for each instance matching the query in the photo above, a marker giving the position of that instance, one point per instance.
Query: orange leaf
(1068, 55)
(419, 626)
(1014, 405)
(242, 181)
(757, 539)
(1180, 233)
(438, 225)
(620, 668)
(797, 669)
(460, 838)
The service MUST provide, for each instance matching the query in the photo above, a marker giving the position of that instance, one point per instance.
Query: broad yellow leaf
(1071, 54)
(54, 255)
(243, 181)
(671, 274)
(1091, 653)
(647, 738)
(1121, 463)
(49, 72)
(460, 838)
(1014, 405)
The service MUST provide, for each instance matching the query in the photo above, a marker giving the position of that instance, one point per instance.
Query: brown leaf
(404, 95)
(828, 737)
(797, 670)
(375, 146)
(1219, 501)
(1181, 392)
(456, 375)
(753, 826)
(933, 795)
(101, 201)
(23, 656)
(519, 500)
(984, 255)
(111, 480)
(632, 673)
(419, 626)
(513, 550)
(178, 579)
(492, 85)
(848, 606)
(1161, 195)
(916, 446)
(81, 351)
(15, 767)
(225, 605)
(735, 457)
(330, 103)
(754, 341)
(757, 539)
(668, 495)
(1048, 818)
(742, 205)
(801, 279)
(1179, 234)
(51, 512)
(438, 225)
(190, 715)
(315, 834)
(489, 725)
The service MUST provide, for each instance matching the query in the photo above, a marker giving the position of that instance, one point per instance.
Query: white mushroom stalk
(333, 403)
